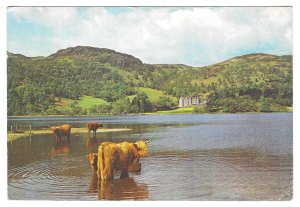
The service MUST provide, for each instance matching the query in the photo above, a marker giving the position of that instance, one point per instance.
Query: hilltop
(100, 55)
(89, 80)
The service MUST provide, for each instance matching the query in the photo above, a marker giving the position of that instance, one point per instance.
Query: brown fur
(93, 126)
(114, 157)
(63, 130)
(135, 167)
(93, 159)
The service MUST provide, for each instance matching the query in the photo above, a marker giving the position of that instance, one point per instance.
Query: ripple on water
(215, 175)
(199, 175)
(55, 178)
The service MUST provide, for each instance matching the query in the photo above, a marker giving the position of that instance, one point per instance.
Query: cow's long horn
(147, 141)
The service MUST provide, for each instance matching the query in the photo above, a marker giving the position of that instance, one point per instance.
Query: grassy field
(153, 94)
(184, 110)
(85, 102)
(88, 101)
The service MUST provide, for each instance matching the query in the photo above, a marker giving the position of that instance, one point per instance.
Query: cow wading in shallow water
(113, 157)
(135, 167)
(93, 126)
(60, 131)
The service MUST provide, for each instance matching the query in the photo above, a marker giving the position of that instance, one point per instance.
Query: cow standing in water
(113, 157)
(63, 130)
(93, 126)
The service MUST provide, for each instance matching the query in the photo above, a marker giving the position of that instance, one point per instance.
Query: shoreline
(146, 113)
(11, 136)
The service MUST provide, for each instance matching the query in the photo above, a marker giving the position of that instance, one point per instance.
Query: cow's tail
(101, 161)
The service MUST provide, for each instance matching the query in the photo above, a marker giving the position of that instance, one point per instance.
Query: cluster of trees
(232, 105)
(139, 104)
(235, 105)
(248, 99)
(29, 99)
(248, 83)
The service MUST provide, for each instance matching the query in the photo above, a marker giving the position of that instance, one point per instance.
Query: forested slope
(37, 85)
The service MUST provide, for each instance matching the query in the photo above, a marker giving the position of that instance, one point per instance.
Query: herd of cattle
(111, 157)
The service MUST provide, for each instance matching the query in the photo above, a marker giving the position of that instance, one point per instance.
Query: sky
(195, 36)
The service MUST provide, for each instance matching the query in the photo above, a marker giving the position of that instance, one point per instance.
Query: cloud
(189, 35)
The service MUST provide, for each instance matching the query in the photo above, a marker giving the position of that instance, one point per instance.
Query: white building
(189, 101)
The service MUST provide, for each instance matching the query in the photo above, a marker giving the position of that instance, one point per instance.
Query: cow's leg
(107, 174)
(124, 173)
(100, 189)
(100, 163)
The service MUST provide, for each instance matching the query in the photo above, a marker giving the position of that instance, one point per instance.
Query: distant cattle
(93, 126)
(113, 157)
(60, 131)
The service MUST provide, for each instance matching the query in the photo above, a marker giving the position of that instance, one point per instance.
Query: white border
(3, 82)
(147, 3)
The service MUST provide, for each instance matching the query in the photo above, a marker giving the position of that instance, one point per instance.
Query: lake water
(192, 157)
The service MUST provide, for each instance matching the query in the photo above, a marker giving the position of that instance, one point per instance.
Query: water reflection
(93, 183)
(61, 147)
(120, 189)
(92, 144)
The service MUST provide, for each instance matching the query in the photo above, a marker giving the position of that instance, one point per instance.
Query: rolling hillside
(92, 80)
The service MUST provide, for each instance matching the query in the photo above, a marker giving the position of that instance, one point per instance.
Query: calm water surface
(192, 157)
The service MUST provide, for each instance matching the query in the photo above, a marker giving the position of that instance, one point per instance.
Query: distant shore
(184, 110)
(13, 135)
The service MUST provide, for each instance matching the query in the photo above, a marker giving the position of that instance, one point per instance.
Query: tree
(119, 107)
(142, 103)
(75, 109)
(265, 105)
(163, 103)
(199, 110)
(93, 110)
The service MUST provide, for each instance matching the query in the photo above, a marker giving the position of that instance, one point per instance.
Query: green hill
(95, 80)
